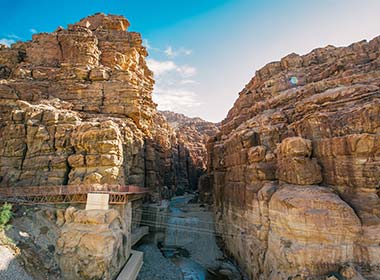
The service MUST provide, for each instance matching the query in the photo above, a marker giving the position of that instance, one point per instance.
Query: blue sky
(203, 52)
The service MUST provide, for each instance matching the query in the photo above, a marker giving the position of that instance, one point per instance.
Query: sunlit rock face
(76, 108)
(295, 169)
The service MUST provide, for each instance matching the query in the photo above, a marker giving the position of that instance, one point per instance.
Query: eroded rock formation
(76, 108)
(296, 167)
(92, 244)
(192, 135)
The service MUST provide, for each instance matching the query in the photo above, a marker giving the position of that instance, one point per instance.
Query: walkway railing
(69, 193)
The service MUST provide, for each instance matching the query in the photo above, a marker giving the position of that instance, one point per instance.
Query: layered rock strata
(192, 136)
(296, 167)
(76, 108)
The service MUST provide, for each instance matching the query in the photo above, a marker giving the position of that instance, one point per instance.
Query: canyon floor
(188, 249)
(190, 243)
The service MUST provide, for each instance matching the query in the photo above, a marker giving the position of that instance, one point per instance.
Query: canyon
(192, 134)
(292, 173)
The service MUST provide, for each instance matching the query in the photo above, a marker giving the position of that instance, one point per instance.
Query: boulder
(92, 244)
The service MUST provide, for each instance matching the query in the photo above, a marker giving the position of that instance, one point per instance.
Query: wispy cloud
(13, 36)
(173, 90)
(174, 99)
(149, 46)
(33, 30)
(188, 82)
(9, 39)
(146, 43)
(160, 67)
(6, 41)
(187, 71)
(170, 52)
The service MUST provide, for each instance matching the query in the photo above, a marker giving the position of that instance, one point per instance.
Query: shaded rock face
(296, 167)
(192, 135)
(76, 108)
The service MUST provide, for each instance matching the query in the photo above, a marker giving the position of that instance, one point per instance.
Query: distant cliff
(192, 135)
(295, 169)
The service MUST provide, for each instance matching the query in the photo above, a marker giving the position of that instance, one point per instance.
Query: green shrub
(5, 215)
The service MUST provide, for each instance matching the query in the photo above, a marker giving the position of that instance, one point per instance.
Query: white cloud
(173, 90)
(32, 30)
(6, 41)
(146, 44)
(9, 39)
(174, 99)
(162, 67)
(174, 84)
(170, 52)
(13, 36)
(187, 71)
(188, 82)
(149, 47)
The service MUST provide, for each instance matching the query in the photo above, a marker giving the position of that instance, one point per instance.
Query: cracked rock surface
(76, 108)
(295, 170)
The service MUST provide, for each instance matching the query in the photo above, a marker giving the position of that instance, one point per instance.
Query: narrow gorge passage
(188, 239)
(97, 183)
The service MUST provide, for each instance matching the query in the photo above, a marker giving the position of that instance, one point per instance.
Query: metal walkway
(69, 194)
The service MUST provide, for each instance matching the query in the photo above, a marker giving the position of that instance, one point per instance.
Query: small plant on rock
(5, 215)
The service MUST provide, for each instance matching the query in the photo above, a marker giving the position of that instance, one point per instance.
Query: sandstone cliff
(296, 167)
(76, 108)
(192, 135)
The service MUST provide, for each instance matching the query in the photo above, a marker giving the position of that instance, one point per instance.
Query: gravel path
(10, 269)
(156, 266)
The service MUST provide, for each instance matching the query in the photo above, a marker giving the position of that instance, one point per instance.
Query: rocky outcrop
(76, 108)
(92, 244)
(192, 135)
(296, 167)
(71, 243)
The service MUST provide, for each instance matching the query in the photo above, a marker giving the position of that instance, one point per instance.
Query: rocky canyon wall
(295, 169)
(192, 135)
(76, 108)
